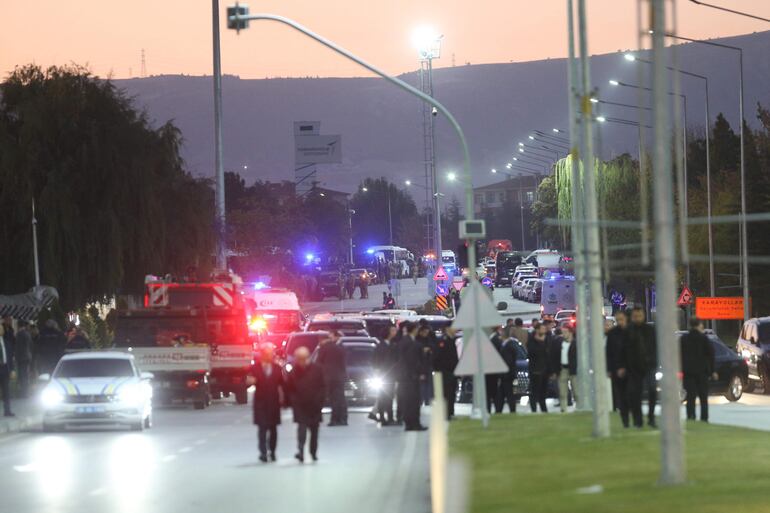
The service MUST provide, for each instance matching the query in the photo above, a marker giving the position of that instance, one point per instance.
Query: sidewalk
(27, 413)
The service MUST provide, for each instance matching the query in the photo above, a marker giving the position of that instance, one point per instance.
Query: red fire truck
(178, 319)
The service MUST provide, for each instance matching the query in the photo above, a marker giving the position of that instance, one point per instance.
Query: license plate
(89, 409)
(349, 393)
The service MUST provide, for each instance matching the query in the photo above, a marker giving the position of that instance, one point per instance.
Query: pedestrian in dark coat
(50, 347)
(268, 383)
(412, 374)
(697, 367)
(23, 358)
(539, 368)
(642, 363)
(427, 339)
(445, 361)
(5, 374)
(492, 381)
(617, 342)
(505, 394)
(331, 358)
(384, 361)
(305, 384)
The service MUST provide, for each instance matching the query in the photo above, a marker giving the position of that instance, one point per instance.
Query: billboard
(318, 149)
(719, 308)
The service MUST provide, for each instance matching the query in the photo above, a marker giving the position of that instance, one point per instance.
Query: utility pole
(34, 245)
(578, 228)
(672, 442)
(218, 164)
(601, 417)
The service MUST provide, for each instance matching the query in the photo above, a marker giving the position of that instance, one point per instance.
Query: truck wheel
(241, 397)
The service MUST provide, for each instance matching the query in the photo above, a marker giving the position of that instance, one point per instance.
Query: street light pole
(712, 281)
(672, 442)
(744, 236)
(577, 231)
(601, 418)
(34, 245)
(390, 219)
(219, 170)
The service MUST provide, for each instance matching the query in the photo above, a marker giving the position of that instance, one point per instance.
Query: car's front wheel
(734, 388)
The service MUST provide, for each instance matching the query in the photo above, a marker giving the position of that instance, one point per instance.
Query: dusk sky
(176, 34)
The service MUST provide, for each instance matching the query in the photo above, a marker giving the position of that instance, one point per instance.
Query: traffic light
(237, 24)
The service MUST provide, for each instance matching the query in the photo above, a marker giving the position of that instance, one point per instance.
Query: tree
(113, 200)
(547, 206)
(370, 222)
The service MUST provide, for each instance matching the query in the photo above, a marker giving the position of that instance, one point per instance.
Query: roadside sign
(440, 275)
(719, 308)
(441, 290)
(318, 149)
(441, 303)
(458, 285)
(687, 298)
(486, 281)
(492, 362)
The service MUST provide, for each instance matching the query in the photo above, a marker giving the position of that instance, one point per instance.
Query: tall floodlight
(427, 42)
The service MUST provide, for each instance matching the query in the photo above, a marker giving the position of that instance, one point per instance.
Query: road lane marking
(200, 441)
(403, 473)
(185, 449)
(168, 458)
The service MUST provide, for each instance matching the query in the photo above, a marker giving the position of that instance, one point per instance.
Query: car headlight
(51, 397)
(289, 367)
(658, 376)
(131, 394)
(375, 383)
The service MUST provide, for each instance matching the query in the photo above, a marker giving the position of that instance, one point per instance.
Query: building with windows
(515, 190)
(506, 207)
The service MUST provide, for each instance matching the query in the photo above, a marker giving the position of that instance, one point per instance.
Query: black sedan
(363, 384)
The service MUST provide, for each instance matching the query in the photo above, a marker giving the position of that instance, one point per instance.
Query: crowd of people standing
(27, 352)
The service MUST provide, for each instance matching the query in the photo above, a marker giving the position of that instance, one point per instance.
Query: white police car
(97, 388)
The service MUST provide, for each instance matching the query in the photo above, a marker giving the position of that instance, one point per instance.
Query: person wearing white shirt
(567, 367)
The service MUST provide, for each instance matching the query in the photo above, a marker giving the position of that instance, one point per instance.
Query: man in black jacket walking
(539, 368)
(331, 358)
(305, 384)
(268, 384)
(697, 367)
(642, 363)
(617, 340)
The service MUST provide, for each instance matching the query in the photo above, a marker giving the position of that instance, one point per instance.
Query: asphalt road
(413, 295)
(206, 461)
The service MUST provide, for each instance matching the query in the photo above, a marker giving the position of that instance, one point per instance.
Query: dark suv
(754, 346)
